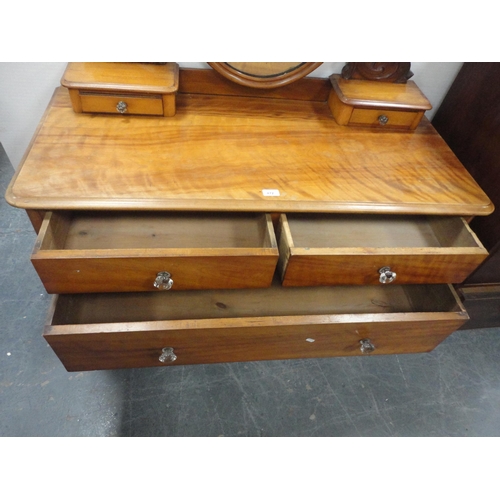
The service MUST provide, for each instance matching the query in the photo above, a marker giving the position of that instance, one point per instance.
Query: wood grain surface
(220, 153)
(133, 77)
(374, 94)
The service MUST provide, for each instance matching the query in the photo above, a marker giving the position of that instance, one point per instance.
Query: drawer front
(108, 332)
(383, 269)
(384, 118)
(125, 104)
(161, 274)
(366, 250)
(79, 253)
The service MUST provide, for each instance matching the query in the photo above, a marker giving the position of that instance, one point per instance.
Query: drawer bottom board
(111, 331)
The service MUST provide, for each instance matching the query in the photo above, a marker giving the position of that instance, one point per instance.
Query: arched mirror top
(265, 75)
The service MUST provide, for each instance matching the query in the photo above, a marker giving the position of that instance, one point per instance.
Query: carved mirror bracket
(394, 72)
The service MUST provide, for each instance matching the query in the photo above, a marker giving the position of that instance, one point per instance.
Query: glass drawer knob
(121, 107)
(386, 275)
(383, 119)
(167, 355)
(163, 281)
(366, 346)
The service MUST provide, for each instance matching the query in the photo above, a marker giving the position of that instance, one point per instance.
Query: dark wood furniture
(469, 121)
(154, 230)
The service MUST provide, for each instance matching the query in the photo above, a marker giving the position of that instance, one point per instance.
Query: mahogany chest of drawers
(248, 226)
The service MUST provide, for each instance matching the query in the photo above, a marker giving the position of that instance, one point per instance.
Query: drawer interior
(273, 301)
(144, 230)
(378, 231)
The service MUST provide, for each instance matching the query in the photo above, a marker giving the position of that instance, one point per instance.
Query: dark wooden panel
(469, 121)
(489, 271)
(483, 305)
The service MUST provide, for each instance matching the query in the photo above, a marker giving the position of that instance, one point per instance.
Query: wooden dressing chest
(248, 226)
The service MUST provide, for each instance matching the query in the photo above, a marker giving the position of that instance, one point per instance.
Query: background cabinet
(469, 121)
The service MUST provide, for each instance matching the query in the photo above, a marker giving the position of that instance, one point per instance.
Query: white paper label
(271, 192)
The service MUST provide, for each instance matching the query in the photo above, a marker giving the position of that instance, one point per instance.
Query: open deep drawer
(78, 252)
(337, 249)
(108, 331)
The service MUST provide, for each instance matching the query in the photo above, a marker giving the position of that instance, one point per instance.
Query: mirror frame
(264, 82)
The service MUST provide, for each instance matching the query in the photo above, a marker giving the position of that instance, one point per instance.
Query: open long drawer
(104, 331)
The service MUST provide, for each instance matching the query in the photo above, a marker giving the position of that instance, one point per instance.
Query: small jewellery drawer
(79, 252)
(336, 249)
(110, 331)
(122, 88)
(121, 104)
(385, 118)
(377, 104)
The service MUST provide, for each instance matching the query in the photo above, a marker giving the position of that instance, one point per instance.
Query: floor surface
(453, 391)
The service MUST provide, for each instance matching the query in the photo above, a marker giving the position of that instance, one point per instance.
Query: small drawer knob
(163, 281)
(366, 346)
(383, 119)
(386, 275)
(167, 355)
(121, 107)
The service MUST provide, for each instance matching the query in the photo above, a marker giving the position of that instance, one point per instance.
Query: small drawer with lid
(78, 252)
(132, 330)
(377, 104)
(338, 249)
(122, 88)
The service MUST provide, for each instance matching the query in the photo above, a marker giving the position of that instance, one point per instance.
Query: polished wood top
(137, 77)
(237, 154)
(369, 93)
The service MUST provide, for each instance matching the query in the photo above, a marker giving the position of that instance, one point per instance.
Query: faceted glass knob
(386, 275)
(383, 119)
(163, 281)
(366, 346)
(121, 107)
(167, 355)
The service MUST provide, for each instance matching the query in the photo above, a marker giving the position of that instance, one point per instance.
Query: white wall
(26, 88)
